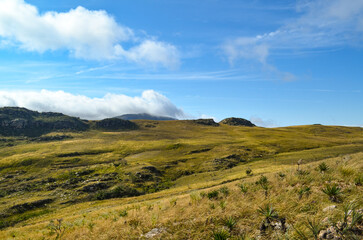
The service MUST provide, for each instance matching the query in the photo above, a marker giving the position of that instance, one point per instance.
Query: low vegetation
(183, 180)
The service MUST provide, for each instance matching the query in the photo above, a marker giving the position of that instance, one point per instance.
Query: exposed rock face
(16, 121)
(207, 122)
(115, 124)
(237, 122)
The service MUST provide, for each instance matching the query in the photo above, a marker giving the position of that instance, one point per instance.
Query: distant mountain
(15, 121)
(144, 116)
(115, 124)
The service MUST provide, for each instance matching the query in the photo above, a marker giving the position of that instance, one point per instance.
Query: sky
(276, 63)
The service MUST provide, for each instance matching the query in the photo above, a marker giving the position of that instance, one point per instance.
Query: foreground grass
(198, 214)
(192, 161)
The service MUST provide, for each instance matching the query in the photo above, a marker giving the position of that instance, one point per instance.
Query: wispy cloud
(84, 33)
(321, 24)
(263, 123)
(110, 105)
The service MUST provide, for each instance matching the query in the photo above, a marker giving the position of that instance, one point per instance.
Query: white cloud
(151, 52)
(205, 116)
(246, 47)
(262, 123)
(110, 105)
(84, 33)
(321, 24)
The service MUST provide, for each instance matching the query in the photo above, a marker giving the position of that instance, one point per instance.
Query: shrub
(314, 228)
(281, 174)
(213, 194)
(262, 181)
(323, 167)
(243, 188)
(118, 192)
(123, 213)
(224, 190)
(249, 172)
(333, 192)
(57, 227)
(304, 190)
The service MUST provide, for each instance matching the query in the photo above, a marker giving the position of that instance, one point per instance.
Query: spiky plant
(220, 235)
(323, 167)
(268, 212)
(281, 174)
(213, 194)
(243, 188)
(334, 192)
(314, 228)
(351, 213)
(230, 223)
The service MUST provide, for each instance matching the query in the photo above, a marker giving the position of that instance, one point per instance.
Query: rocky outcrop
(206, 122)
(237, 122)
(16, 121)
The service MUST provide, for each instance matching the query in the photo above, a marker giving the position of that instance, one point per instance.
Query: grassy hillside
(123, 184)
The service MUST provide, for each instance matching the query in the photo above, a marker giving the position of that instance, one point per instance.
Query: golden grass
(181, 210)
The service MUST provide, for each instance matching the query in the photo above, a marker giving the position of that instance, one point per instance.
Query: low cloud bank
(110, 105)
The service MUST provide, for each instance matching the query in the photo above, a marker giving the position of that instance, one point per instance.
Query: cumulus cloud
(110, 105)
(321, 24)
(84, 33)
(151, 52)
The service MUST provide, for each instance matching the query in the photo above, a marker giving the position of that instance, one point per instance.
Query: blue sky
(276, 63)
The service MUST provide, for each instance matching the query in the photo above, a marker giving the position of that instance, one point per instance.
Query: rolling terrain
(178, 179)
